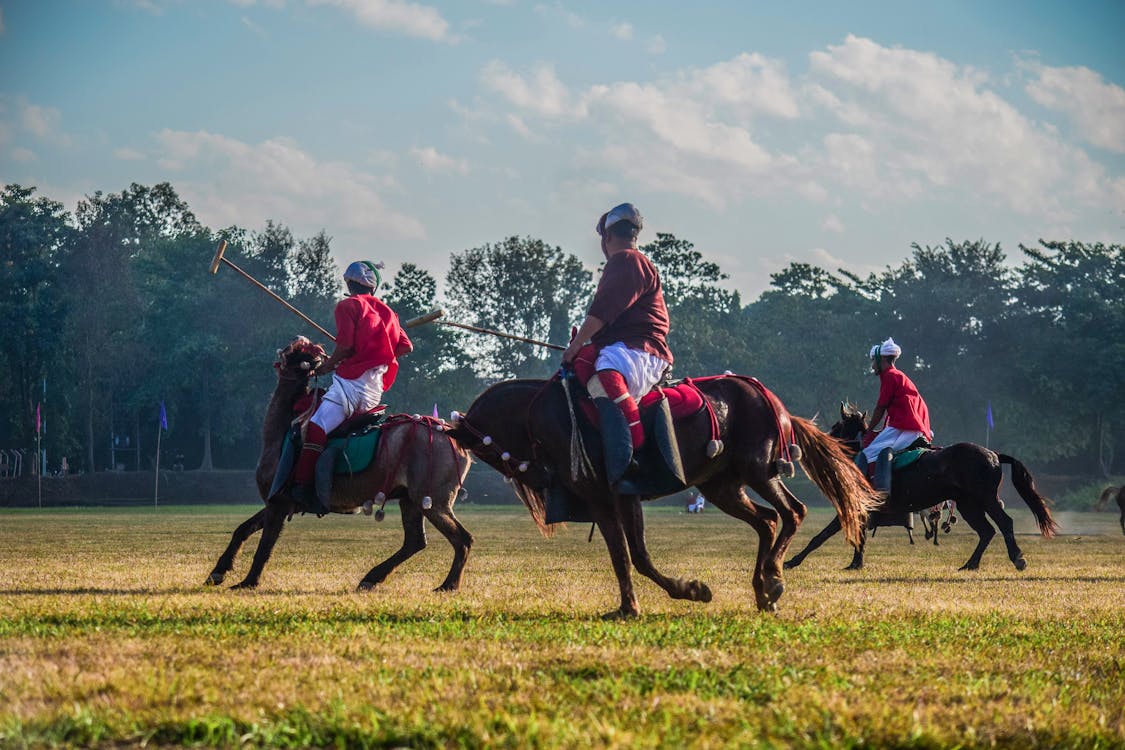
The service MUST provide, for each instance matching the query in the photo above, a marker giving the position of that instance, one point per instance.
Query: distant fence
(11, 462)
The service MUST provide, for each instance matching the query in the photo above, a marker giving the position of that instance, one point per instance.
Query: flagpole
(39, 453)
(156, 486)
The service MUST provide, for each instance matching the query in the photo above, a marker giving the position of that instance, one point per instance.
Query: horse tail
(834, 474)
(1025, 485)
(536, 505)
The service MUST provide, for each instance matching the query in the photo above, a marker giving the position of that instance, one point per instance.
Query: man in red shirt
(908, 418)
(369, 339)
(621, 349)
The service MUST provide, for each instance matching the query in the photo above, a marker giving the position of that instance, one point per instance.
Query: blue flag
(163, 417)
(988, 416)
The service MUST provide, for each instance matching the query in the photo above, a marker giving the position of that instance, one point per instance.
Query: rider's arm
(586, 331)
(877, 418)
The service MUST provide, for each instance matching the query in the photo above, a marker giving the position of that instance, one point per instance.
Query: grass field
(108, 639)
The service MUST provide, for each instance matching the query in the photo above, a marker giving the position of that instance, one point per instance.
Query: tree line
(110, 311)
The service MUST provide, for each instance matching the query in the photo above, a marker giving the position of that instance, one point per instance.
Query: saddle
(351, 447)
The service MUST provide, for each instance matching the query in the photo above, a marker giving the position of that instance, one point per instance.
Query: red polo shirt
(905, 408)
(630, 301)
(366, 324)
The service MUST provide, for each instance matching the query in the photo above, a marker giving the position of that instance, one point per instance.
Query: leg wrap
(612, 383)
(306, 462)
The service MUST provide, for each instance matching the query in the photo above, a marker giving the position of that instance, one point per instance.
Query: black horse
(966, 473)
(1113, 492)
(523, 428)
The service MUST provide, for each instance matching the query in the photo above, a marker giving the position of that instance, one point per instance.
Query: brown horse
(1117, 493)
(967, 473)
(523, 429)
(417, 464)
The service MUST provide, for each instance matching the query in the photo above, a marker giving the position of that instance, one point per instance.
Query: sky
(766, 133)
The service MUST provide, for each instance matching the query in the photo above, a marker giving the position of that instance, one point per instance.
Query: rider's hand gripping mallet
(215, 269)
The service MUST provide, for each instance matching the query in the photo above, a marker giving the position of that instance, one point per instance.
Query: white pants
(893, 438)
(347, 397)
(641, 370)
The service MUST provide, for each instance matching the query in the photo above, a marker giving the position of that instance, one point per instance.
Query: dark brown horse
(1117, 493)
(417, 464)
(967, 473)
(522, 428)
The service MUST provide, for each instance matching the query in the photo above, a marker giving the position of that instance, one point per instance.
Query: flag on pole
(988, 416)
(38, 418)
(163, 417)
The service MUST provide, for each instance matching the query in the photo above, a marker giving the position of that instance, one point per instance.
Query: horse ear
(842, 411)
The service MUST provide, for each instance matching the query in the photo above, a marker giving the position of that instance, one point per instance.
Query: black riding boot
(883, 466)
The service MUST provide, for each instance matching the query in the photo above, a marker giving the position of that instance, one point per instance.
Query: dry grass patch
(108, 638)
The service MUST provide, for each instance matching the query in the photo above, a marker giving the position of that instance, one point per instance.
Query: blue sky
(766, 133)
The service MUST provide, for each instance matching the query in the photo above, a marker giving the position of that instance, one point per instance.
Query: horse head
(299, 359)
(852, 424)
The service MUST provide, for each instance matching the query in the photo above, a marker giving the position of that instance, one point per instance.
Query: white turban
(890, 349)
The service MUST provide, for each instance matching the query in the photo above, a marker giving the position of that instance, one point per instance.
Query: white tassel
(368, 508)
(795, 452)
(454, 416)
(427, 502)
(380, 514)
(505, 456)
(714, 448)
(380, 497)
(523, 466)
(487, 440)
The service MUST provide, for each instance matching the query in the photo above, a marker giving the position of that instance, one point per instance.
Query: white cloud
(412, 19)
(833, 224)
(40, 121)
(623, 31)
(1096, 106)
(22, 154)
(431, 160)
(558, 12)
(657, 45)
(128, 154)
(940, 127)
(246, 184)
(540, 93)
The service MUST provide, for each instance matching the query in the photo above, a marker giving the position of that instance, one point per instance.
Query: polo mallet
(215, 269)
(434, 316)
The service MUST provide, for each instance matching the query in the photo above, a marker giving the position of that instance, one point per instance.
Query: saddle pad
(684, 399)
(357, 450)
(907, 457)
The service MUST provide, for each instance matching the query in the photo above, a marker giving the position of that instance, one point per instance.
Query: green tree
(34, 233)
(438, 371)
(521, 286)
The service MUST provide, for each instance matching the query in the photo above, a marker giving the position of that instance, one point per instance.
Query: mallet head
(218, 256)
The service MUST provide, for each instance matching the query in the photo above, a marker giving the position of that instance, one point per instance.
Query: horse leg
(609, 524)
(997, 513)
(459, 537)
(791, 512)
(827, 533)
(974, 516)
(857, 555)
(250, 526)
(730, 499)
(273, 520)
(413, 542)
(633, 523)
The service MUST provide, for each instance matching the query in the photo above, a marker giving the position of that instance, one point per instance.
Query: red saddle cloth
(684, 400)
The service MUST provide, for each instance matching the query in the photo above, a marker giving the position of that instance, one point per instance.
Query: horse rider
(907, 417)
(621, 349)
(369, 340)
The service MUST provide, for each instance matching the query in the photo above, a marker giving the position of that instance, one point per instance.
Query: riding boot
(622, 434)
(860, 461)
(303, 491)
(883, 466)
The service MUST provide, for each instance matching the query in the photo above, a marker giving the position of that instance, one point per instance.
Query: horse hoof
(619, 614)
(967, 566)
(774, 589)
(244, 585)
(1020, 563)
(365, 586)
(700, 591)
(853, 566)
(444, 588)
(790, 564)
(214, 580)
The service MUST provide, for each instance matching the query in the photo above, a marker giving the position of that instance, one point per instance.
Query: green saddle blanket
(904, 459)
(356, 451)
